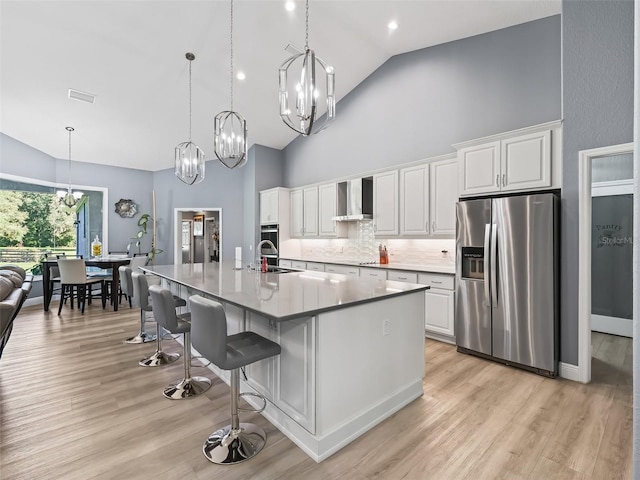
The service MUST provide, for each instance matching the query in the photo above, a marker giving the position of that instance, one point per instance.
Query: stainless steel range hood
(355, 200)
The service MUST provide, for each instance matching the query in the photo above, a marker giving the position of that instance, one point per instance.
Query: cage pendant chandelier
(230, 128)
(68, 197)
(189, 156)
(297, 79)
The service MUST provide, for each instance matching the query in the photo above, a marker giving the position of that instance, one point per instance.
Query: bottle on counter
(264, 264)
(385, 255)
(96, 247)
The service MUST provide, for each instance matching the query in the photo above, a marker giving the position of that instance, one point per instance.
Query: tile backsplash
(362, 246)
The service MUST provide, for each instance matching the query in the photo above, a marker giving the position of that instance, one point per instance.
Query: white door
(479, 169)
(385, 203)
(612, 258)
(414, 200)
(526, 161)
(327, 195)
(444, 195)
(310, 212)
(297, 213)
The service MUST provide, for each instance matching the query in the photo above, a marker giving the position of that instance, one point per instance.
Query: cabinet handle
(402, 278)
(433, 227)
(498, 180)
(436, 282)
(504, 179)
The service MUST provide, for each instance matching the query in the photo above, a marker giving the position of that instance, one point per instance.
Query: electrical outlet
(385, 327)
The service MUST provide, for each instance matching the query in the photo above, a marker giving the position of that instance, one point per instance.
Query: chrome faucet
(273, 251)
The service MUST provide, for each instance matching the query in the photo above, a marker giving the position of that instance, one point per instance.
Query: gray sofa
(15, 285)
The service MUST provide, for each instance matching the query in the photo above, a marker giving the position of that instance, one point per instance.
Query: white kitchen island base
(352, 350)
(350, 375)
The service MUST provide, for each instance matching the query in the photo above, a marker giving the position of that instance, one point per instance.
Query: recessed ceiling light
(392, 25)
(241, 76)
(290, 6)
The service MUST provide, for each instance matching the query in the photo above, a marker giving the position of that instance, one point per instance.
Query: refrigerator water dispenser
(473, 263)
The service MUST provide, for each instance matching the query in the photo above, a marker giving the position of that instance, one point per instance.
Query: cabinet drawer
(373, 273)
(316, 267)
(285, 263)
(435, 280)
(342, 269)
(399, 276)
(299, 265)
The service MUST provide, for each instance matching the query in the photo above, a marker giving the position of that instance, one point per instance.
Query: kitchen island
(352, 348)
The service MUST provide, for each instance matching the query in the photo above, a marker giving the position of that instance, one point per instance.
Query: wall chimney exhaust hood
(355, 200)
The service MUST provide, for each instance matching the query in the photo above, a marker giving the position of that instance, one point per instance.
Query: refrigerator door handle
(487, 273)
(493, 259)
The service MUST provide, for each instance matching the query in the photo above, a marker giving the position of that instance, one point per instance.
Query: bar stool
(237, 442)
(126, 287)
(164, 311)
(141, 296)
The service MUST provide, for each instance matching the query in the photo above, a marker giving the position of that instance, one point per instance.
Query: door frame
(177, 228)
(584, 253)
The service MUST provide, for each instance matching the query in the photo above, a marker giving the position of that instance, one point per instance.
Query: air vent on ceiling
(82, 96)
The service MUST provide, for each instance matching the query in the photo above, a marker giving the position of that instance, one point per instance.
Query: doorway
(198, 235)
(585, 304)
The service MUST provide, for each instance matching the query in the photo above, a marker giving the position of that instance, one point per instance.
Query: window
(32, 219)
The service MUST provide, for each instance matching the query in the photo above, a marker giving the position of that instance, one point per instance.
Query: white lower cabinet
(439, 304)
(295, 371)
(342, 269)
(287, 380)
(315, 267)
(380, 274)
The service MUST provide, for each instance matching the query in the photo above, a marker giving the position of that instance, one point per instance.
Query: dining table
(112, 262)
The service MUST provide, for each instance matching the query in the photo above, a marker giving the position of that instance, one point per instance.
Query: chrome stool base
(159, 358)
(228, 446)
(142, 337)
(187, 387)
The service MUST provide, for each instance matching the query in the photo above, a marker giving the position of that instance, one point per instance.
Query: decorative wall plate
(126, 208)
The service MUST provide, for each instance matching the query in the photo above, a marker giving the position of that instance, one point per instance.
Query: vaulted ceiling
(131, 55)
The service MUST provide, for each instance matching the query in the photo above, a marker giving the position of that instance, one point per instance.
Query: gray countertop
(281, 296)
(412, 267)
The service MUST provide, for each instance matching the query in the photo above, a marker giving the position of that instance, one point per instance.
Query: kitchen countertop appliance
(507, 282)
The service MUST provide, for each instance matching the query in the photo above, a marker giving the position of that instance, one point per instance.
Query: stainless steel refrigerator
(507, 282)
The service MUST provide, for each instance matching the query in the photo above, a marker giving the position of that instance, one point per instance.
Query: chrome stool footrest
(252, 394)
(227, 446)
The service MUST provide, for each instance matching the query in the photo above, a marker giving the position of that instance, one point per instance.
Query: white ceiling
(131, 55)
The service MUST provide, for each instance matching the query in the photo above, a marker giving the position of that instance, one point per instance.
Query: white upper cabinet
(414, 200)
(274, 208)
(526, 159)
(480, 169)
(385, 203)
(327, 209)
(310, 212)
(304, 212)
(269, 206)
(443, 192)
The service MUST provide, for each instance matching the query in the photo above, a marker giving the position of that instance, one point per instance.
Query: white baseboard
(612, 325)
(33, 301)
(569, 371)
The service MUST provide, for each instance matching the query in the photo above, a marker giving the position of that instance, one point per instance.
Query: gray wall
(221, 188)
(17, 158)
(418, 104)
(597, 47)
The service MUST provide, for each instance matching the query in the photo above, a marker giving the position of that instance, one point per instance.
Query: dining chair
(74, 280)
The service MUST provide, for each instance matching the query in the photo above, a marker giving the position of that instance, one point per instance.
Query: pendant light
(189, 156)
(303, 117)
(68, 197)
(230, 128)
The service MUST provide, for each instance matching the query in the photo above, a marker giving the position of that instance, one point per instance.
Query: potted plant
(143, 223)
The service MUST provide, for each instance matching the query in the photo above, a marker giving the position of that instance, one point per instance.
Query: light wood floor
(74, 404)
